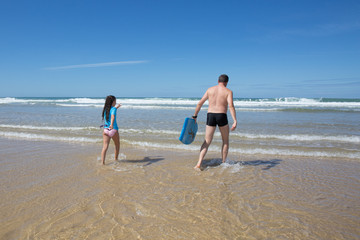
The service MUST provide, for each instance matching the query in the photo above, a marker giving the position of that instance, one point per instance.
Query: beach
(292, 171)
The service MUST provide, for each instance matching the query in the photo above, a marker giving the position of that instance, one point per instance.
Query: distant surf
(241, 104)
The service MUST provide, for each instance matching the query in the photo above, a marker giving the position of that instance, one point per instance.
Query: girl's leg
(106, 141)
(116, 139)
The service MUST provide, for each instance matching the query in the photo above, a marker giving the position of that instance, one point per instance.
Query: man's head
(223, 78)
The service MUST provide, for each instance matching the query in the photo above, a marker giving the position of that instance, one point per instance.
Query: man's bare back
(218, 99)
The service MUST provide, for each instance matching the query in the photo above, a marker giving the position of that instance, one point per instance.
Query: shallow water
(54, 191)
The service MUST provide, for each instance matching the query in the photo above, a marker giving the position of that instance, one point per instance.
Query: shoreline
(55, 190)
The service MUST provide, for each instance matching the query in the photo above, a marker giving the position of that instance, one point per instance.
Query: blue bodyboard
(188, 131)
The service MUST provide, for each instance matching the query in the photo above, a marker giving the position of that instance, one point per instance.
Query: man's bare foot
(197, 168)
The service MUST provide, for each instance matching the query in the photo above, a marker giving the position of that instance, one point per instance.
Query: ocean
(326, 128)
(293, 171)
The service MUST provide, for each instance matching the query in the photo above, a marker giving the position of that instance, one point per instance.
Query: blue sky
(174, 48)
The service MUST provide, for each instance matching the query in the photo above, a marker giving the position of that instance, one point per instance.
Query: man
(219, 98)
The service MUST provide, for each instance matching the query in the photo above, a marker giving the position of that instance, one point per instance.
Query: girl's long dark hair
(107, 106)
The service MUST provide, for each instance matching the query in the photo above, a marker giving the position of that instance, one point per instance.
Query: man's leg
(225, 138)
(209, 134)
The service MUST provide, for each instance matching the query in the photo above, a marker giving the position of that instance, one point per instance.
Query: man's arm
(232, 110)
(200, 103)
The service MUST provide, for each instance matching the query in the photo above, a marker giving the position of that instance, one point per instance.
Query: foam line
(30, 136)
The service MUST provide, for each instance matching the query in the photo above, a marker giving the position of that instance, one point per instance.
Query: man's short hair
(223, 78)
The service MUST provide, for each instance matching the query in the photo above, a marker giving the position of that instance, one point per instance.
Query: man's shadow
(147, 160)
(266, 164)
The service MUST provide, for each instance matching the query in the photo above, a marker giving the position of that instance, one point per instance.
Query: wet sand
(53, 190)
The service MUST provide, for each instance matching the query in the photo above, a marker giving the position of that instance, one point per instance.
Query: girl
(110, 127)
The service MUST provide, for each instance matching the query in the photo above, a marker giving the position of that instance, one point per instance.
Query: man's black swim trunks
(214, 119)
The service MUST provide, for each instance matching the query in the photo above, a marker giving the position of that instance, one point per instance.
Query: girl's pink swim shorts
(110, 132)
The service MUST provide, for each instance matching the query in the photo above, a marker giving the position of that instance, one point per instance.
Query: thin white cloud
(93, 65)
(329, 83)
(330, 80)
(324, 30)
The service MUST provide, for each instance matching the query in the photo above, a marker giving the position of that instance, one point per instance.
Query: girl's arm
(112, 121)
(113, 117)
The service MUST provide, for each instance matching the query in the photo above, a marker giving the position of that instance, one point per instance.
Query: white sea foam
(248, 151)
(258, 109)
(145, 107)
(300, 137)
(122, 130)
(87, 100)
(187, 103)
(253, 151)
(151, 131)
(30, 101)
(296, 104)
(242, 104)
(157, 107)
(52, 128)
(232, 165)
(165, 146)
(7, 100)
(43, 137)
(293, 137)
(158, 101)
(289, 152)
(78, 105)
